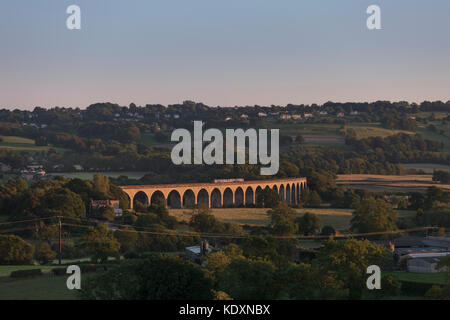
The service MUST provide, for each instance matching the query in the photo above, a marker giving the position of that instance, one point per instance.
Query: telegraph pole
(60, 242)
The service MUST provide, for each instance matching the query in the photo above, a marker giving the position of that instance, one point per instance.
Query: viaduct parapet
(215, 195)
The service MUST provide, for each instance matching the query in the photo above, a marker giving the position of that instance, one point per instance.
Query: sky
(227, 53)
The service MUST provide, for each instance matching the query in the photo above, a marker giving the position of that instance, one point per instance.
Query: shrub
(44, 253)
(328, 231)
(26, 273)
(59, 271)
(438, 293)
(86, 268)
(390, 287)
(15, 250)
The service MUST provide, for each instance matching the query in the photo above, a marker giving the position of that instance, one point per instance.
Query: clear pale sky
(228, 52)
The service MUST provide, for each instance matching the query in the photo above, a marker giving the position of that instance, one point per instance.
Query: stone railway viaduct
(215, 195)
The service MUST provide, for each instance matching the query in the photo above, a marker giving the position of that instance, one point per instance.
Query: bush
(26, 273)
(70, 251)
(129, 219)
(390, 287)
(156, 278)
(15, 250)
(59, 271)
(438, 293)
(44, 253)
(104, 213)
(86, 268)
(328, 231)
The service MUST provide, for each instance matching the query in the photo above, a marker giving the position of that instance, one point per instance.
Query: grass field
(90, 175)
(443, 136)
(367, 130)
(426, 167)
(434, 278)
(363, 130)
(24, 144)
(380, 183)
(46, 287)
(337, 218)
(6, 270)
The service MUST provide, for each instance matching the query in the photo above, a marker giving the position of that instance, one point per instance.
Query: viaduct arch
(217, 194)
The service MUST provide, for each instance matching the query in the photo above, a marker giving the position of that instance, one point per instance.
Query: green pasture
(434, 278)
(46, 287)
(90, 175)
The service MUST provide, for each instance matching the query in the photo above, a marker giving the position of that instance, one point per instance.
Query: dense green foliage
(154, 278)
(14, 250)
(100, 243)
(374, 215)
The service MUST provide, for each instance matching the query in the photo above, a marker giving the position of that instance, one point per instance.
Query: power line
(29, 220)
(231, 236)
(21, 229)
(205, 235)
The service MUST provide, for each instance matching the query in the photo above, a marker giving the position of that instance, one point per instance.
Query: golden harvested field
(370, 130)
(337, 218)
(24, 144)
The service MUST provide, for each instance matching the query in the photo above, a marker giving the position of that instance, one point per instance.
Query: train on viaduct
(217, 194)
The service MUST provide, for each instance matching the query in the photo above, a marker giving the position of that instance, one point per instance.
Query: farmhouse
(4, 167)
(107, 203)
(426, 250)
(425, 262)
(194, 253)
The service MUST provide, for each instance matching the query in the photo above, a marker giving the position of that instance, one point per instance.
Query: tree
(129, 218)
(308, 224)
(288, 169)
(282, 219)
(279, 251)
(9, 191)
(44, 253)
(349, 260)
(101, 186)
(438, 293)
(269, 198)
(100, 243)
(127, 239)
(245, 279)
(310, 199)
(374, 216)
(441, 176)
(62, 202)
(14, 250)
(328, 231)
(158, 277)
(104, 213)
(299, 139)
(305, 281)
(206, 222)
(203, 222)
